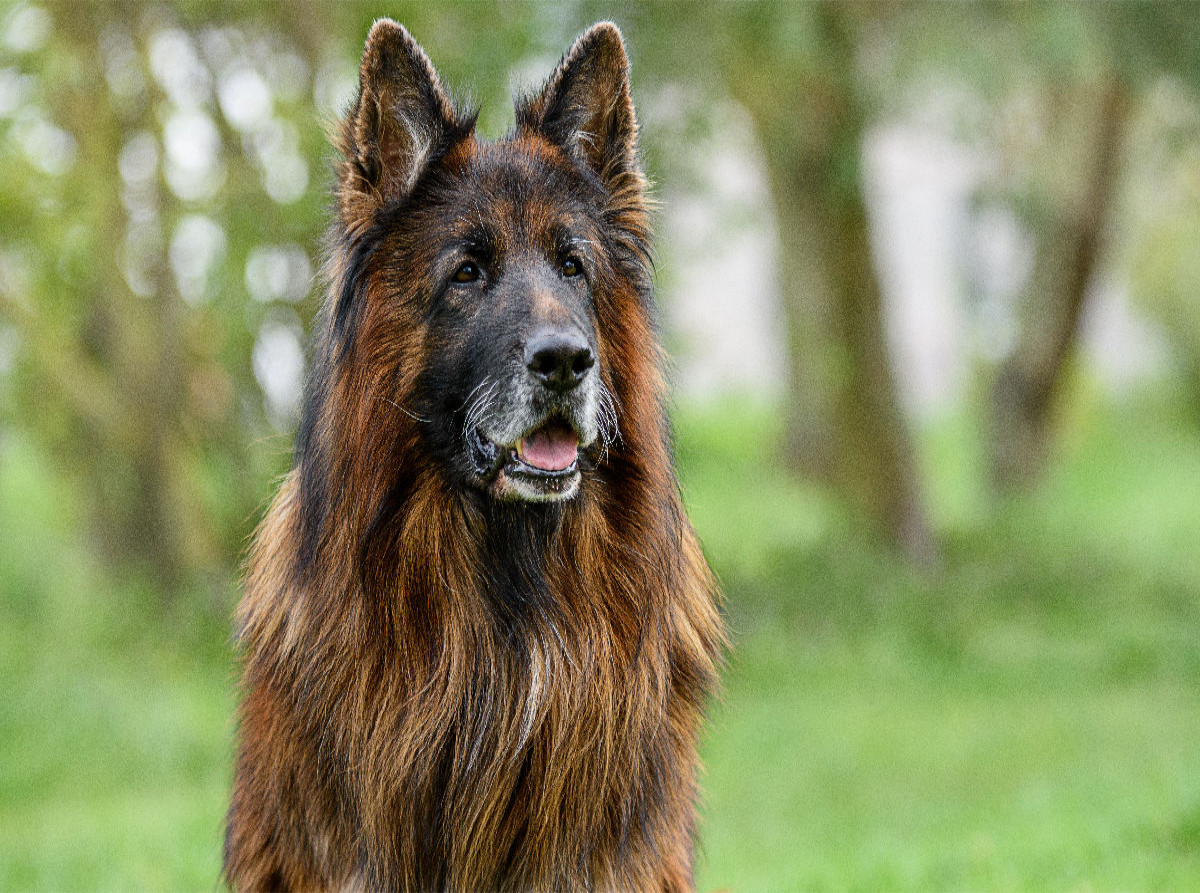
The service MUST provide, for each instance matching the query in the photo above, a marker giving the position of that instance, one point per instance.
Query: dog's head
(478, 280)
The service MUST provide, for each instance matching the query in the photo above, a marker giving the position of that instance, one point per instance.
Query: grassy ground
(1022, 717)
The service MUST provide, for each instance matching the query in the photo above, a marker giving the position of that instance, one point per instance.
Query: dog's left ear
(586, 106)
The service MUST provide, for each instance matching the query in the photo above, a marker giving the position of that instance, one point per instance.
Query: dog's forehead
(522, 186)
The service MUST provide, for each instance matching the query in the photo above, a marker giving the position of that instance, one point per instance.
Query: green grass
(115, 718)
(1024, 716)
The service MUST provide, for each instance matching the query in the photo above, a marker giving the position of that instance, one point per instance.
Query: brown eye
(571, 267)
(468, 272)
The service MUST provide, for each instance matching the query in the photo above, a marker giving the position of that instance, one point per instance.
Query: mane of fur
(449, 693)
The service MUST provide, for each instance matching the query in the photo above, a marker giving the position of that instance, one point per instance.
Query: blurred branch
(1030, 380)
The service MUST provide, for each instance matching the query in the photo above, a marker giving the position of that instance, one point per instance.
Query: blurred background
(929, 278)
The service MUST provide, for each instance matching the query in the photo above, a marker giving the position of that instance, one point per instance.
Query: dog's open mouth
(551, 449)
(543, 465)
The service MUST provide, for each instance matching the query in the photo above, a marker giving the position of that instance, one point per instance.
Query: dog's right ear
(401, 120)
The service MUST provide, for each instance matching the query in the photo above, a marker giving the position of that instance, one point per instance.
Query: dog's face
(499, 254)
(516, 383)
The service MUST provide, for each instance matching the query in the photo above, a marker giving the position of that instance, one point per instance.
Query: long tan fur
(403, 728)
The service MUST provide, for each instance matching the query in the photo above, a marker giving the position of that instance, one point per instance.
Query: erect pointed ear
(586, 106)
(401, 121)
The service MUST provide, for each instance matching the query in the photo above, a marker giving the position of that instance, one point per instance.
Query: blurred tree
(152, 158)
(103, 376)
(1070, 231)
(1165, 41)
(1092, 63)
(793, 66)
(1166, 271)
(164, 189)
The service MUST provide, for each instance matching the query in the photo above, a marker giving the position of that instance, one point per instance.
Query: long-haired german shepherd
(479, 633)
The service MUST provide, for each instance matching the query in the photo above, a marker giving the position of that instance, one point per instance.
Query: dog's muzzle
(527, 440)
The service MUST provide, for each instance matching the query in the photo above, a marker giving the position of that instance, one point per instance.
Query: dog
(478, 632)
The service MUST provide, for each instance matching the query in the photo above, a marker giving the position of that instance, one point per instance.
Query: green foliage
(1167, 274)
(165, 186)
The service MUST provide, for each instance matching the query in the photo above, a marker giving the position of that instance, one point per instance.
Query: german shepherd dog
(478, 631)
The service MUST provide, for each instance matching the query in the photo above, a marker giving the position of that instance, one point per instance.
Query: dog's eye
(571, 267)
(468, 272)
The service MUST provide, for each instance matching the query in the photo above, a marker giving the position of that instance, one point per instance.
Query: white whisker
(480, 404)
(409, 413)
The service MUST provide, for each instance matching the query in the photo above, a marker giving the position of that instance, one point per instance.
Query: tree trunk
(133, 462)
(1030, 380)
(845, 422)
(808, 306)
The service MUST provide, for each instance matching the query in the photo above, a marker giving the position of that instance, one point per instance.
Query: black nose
(560, 359)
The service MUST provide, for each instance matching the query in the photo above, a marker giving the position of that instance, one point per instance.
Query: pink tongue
(552, 448)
